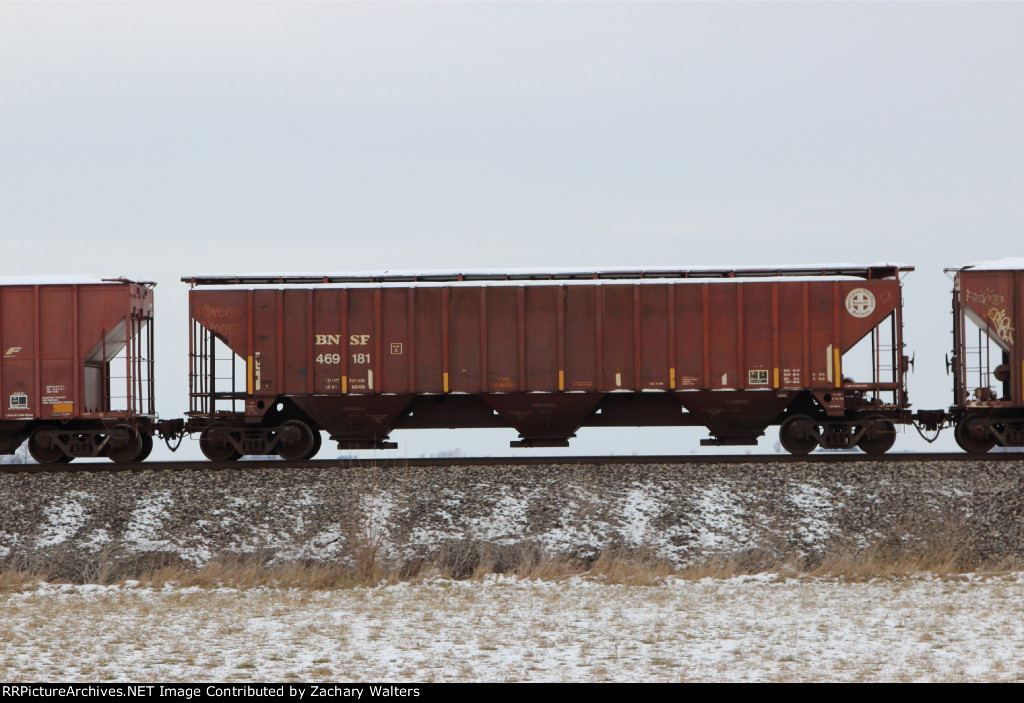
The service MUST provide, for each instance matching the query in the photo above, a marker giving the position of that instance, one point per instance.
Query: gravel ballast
(684, 514)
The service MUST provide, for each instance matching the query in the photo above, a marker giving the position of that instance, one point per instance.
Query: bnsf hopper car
(988, 355)
(76, 376)
(276, 359)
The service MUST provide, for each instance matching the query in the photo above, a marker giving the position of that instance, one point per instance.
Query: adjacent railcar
(275, 359)
(76, 375)
(988, 355)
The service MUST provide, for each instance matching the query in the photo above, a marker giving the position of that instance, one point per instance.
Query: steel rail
(677, 460)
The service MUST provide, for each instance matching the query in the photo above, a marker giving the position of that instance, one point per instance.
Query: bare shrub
(941, 544)
(474, 559)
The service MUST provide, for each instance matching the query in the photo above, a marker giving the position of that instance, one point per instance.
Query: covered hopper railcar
(275, 359)
(76, 375)
(988, 355)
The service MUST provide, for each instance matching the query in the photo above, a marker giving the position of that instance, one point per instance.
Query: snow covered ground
(752, 628)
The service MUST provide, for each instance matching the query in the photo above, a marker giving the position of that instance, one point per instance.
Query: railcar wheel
(48, 454)
(124, 450)
(147, 447)
(299, 443)
(880, 436)
(217, 448)
(796, 435)
(968, 441)
(956, 436)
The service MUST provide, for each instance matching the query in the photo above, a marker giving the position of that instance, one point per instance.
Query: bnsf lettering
(359, 339)
(322, 339)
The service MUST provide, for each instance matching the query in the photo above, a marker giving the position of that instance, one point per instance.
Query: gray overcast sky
(159, 139)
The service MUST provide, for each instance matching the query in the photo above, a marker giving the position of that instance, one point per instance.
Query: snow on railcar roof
(1014, 263)
(67, 279)
(581, 274)
(294, 285)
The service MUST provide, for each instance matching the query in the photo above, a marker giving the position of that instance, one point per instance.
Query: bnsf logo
(329, 339)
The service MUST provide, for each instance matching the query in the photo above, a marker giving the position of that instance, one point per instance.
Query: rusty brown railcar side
(988, 358)
(76, 376)
(734, 352)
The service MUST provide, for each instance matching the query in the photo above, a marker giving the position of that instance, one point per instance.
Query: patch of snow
(815, 503)
(64, 518)
(146, 522)
(636, 513)
(719, 523)
(506, 523)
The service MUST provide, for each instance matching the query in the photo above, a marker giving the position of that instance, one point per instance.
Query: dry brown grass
(880, 561)
(477, 560)
(13, 580)
(942, 551)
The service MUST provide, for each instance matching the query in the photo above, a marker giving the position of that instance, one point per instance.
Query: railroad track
(678, 460)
